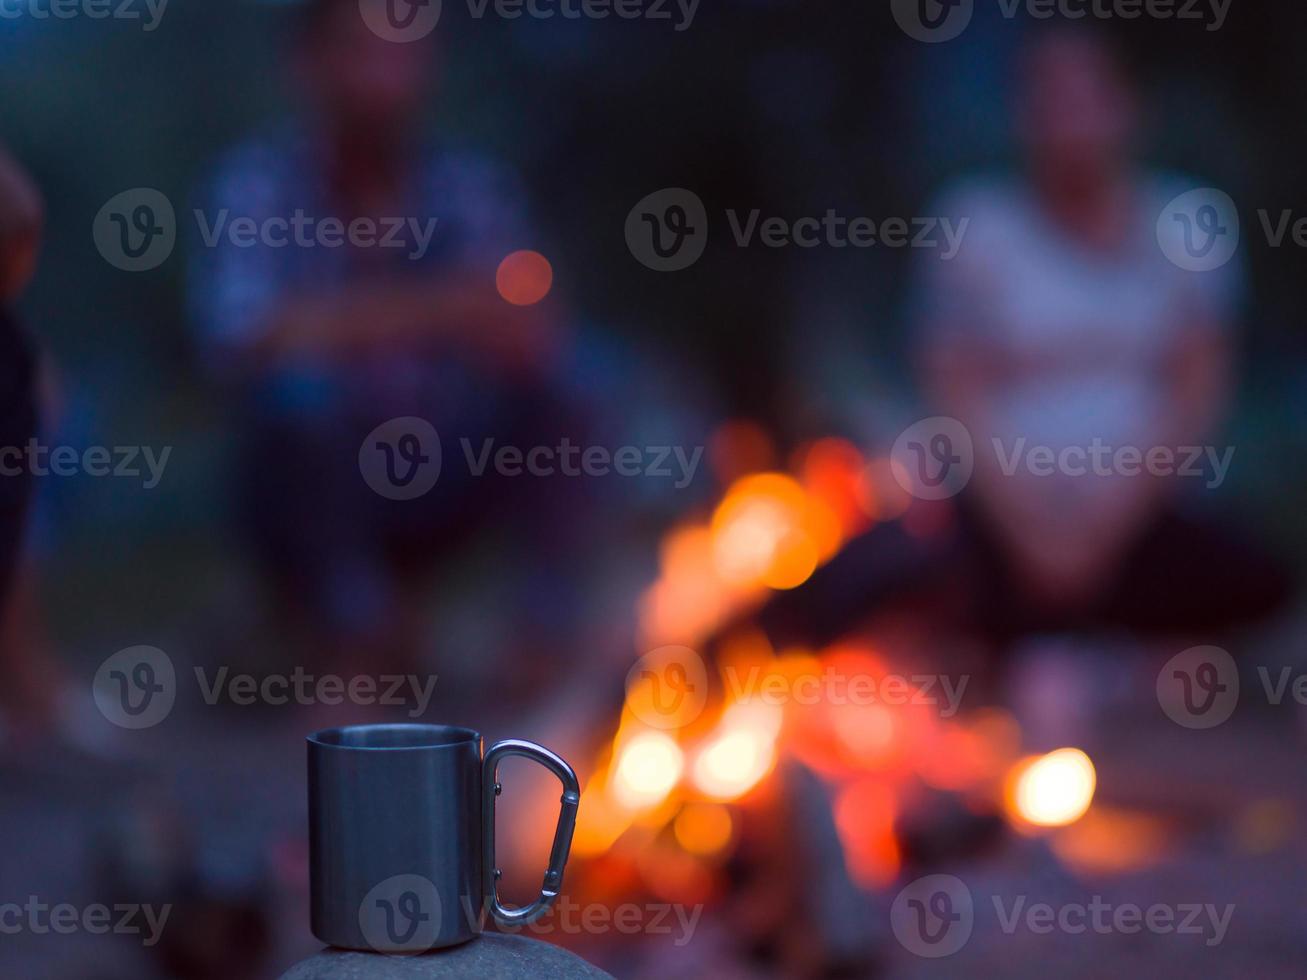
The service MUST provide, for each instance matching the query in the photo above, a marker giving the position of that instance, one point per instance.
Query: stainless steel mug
(402, 835)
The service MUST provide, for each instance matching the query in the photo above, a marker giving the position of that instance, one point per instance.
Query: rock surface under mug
(488, 957)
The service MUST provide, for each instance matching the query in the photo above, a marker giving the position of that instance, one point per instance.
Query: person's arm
(1197, 379)
(454, 310)
(21, 218)
(959, 375)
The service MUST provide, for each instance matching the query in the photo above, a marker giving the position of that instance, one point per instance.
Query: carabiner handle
(571, 799)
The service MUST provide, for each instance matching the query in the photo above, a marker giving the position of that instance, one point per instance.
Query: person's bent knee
(21, 218)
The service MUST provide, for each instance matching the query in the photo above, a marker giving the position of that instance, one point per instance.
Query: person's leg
(315, 529)
(24, 688)
(1189, 575)
(512, 528)
(937, 555)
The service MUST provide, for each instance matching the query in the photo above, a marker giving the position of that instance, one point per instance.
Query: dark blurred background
(756, 354)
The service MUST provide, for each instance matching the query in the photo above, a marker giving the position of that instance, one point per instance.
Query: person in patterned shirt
(319, 335)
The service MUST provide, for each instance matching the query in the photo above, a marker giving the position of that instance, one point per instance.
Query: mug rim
(326, 737)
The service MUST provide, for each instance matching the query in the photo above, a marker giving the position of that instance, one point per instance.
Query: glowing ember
(649, 767)
(736, 759)
(600, 822)
(766, 530)
(864, 817)
(794, 559)
(1053, 790)
(1113, 841)
(704, 828)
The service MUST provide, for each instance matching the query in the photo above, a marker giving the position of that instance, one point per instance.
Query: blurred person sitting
(319, 345)
(1061, 323)
(29, 694)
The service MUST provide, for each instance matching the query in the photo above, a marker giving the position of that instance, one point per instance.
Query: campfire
(664, 804)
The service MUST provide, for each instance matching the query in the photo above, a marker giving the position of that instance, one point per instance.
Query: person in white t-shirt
(1061, 323)
(1061, 327)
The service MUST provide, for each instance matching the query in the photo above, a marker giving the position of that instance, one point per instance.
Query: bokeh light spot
(1055, 789)
(524, 278)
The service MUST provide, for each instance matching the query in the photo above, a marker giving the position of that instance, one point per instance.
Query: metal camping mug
(402, 836)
